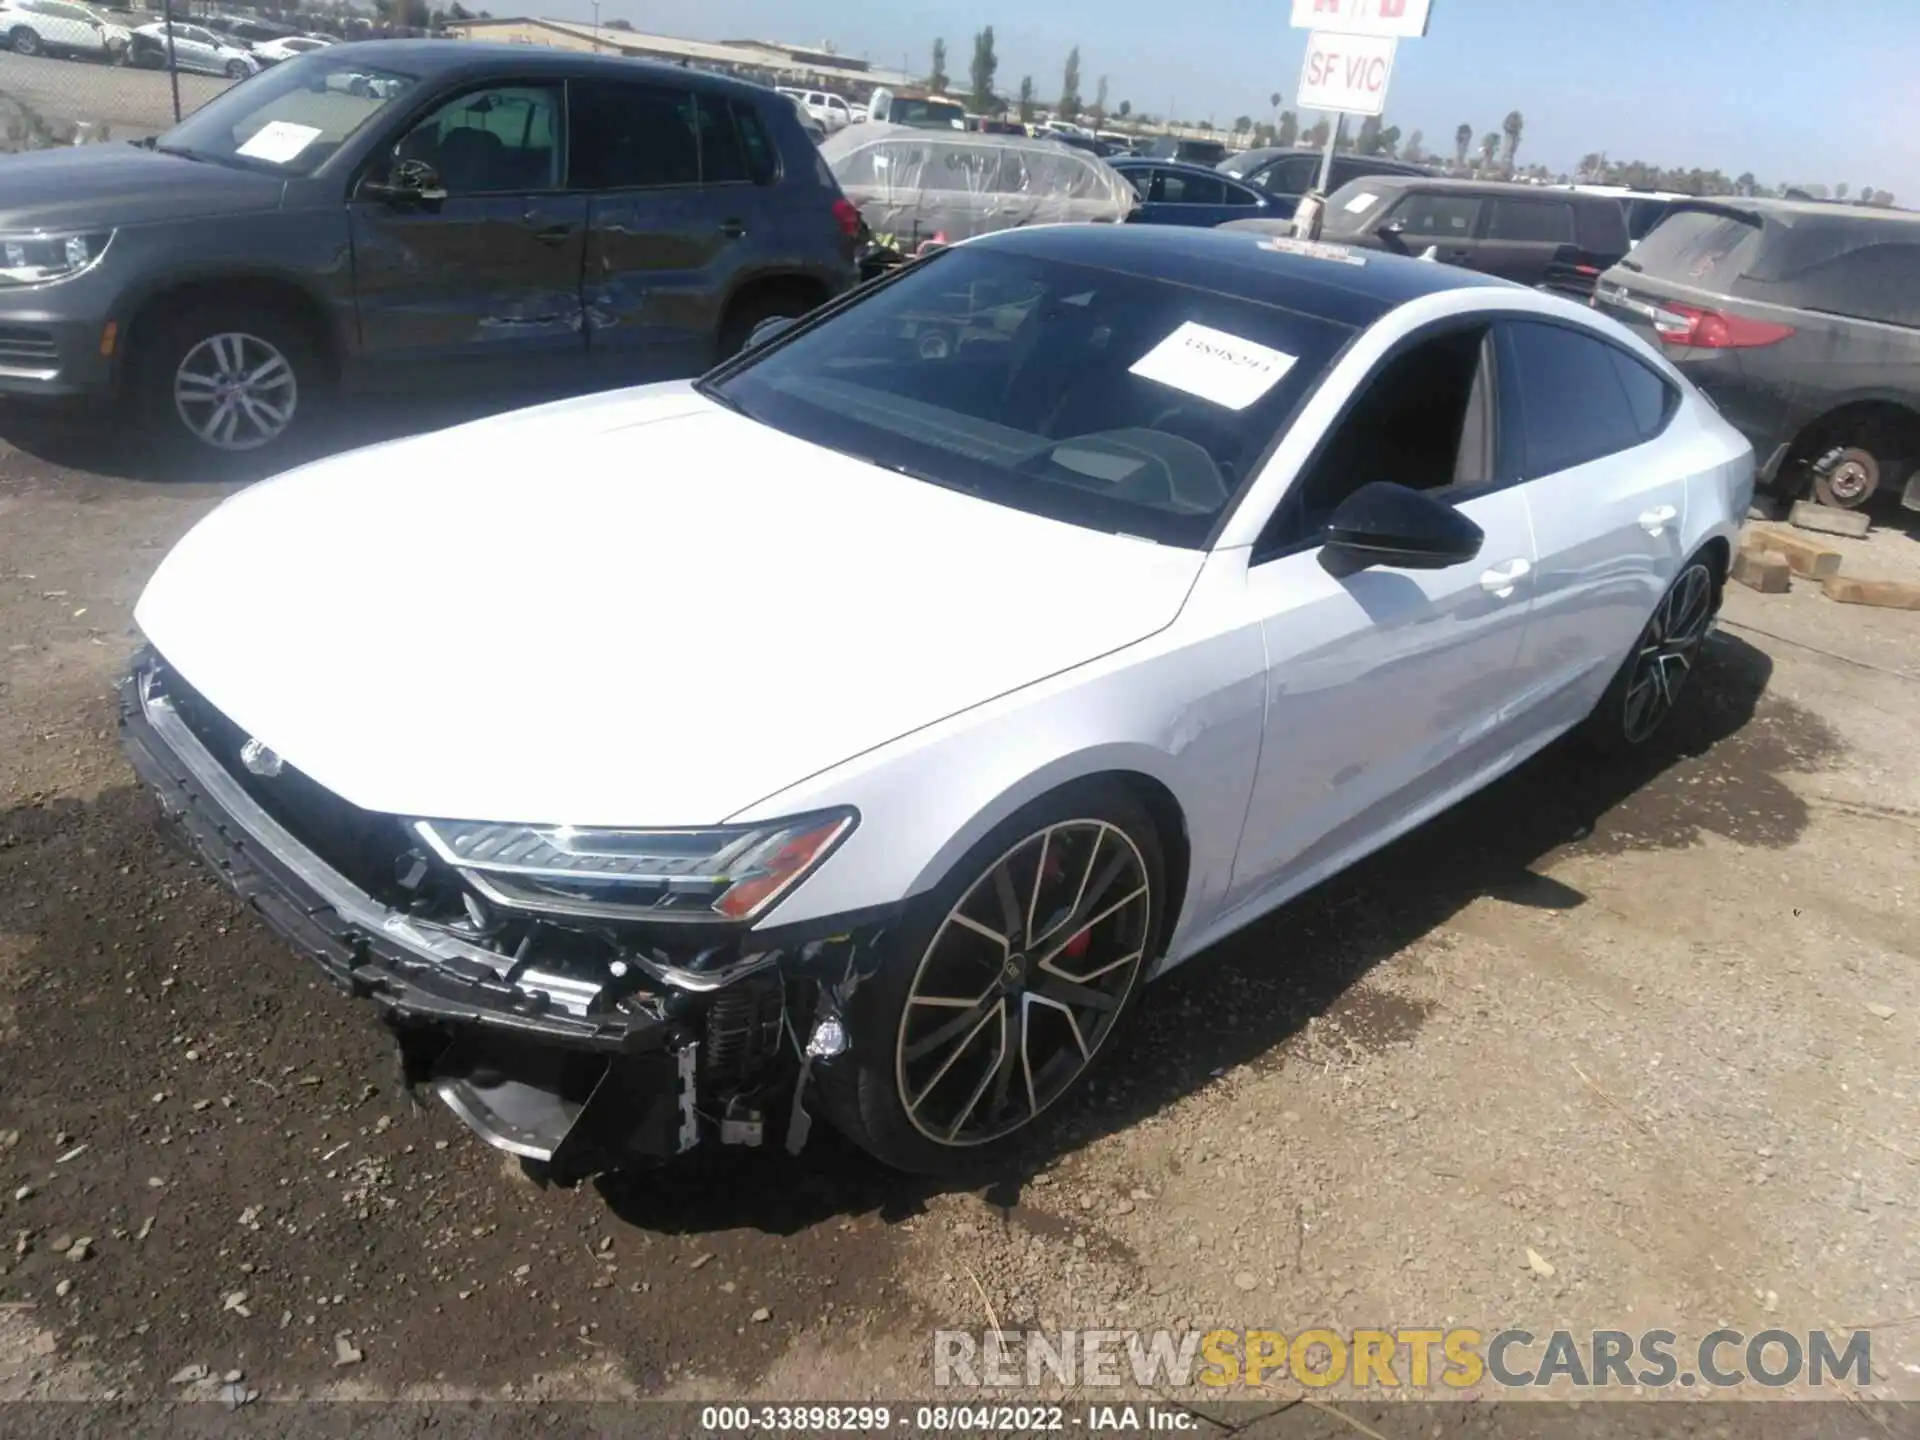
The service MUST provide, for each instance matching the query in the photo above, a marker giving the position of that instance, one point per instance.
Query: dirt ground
(1655, 1026)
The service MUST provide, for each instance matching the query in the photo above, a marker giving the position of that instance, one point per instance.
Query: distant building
(763, 60)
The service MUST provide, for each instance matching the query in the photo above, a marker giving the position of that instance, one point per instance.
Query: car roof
(1239, 264)
(1801, 213)
(444, 59)
(1477, 187)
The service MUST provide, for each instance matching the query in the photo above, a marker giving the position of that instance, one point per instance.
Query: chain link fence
(76, 73)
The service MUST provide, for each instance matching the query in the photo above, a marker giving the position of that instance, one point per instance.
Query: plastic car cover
(914, 185)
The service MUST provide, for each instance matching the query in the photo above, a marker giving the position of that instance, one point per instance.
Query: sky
(1794, 90)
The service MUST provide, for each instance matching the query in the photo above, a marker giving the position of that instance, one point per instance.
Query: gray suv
(406, 216)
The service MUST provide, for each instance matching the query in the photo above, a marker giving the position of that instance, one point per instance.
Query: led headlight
(41, 259)
(730, 872)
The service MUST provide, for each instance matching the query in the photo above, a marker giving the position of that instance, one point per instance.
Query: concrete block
(1827, 520)
(1809, 558)
(1888, 594)
(1764, 571)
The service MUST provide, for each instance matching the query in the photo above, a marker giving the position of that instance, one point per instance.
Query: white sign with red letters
(1348, 73)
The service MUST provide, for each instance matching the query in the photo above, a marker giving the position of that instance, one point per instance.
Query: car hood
(632, 609)
(98, 187)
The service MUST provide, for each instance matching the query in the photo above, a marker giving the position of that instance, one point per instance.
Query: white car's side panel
(1381, 685)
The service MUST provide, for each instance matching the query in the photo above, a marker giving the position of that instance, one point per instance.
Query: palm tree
(1489, 147)
(1512, 126)
(1462, 138)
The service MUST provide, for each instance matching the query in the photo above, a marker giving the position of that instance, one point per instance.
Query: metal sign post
(1348, 63)
(173, 68)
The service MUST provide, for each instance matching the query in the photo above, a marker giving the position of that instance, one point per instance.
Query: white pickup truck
(829, 109)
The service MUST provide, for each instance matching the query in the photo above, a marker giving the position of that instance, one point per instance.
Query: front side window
(1102, 399)
(1437, 217)
(291, 119)
(1573, 399)
(502, 140)
(1533, 222)
(1422, 421)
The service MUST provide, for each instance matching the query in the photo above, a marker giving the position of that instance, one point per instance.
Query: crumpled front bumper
(578, 1092)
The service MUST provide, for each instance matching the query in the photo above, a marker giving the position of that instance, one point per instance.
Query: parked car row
(63, 28)
(220, 46)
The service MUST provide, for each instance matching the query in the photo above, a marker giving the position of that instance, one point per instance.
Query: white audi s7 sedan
(851, 733)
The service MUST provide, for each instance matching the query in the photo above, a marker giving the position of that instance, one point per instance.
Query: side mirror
(1401, 529)
(770, 328)
(1391, 232)
(411, 183)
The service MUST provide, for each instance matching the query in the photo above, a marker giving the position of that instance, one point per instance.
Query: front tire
(1649, 683)
(1003, 986)
(226, 381)
(237, 71)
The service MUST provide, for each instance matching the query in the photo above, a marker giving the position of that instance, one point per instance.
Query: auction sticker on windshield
(1361, 201)
(1312, 249)
(1214, 365)
(278, 141)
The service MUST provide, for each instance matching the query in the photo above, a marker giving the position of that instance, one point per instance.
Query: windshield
(1108, 400)
(291, 119)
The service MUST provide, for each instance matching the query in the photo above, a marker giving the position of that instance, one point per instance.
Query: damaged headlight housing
(43, 259)
(727, 873)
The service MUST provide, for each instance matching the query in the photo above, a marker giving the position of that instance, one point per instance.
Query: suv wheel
(745, 316)
(24, 40)
(228, 380)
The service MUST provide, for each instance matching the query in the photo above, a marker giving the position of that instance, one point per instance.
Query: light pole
(596, 27)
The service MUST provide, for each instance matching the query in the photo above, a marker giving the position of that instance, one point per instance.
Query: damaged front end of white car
(580, 998)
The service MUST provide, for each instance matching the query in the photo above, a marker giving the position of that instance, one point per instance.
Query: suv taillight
(1702, 329)
(848, 215)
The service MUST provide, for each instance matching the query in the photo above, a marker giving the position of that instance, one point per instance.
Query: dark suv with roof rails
(1550, 239)
(401, 216)
(1801, 322)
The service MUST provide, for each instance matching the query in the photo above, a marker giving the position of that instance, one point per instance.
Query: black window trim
(1509, 364)
(1268, 546)
(383, 147)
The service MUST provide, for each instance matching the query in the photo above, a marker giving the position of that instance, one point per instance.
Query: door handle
(733, 229)
(1501, 579)
(554, 234)
(1657, 519)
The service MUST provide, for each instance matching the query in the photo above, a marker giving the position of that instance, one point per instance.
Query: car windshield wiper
(184, 153)
(1634, 265)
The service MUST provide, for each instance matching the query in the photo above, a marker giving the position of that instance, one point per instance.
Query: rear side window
(632, 137)
(1538, 222)
(1879, 282)
(756, 143)
(1643, 215)
(1649, 396)
(1575, 405)
(1173, 188)
(1702, 248)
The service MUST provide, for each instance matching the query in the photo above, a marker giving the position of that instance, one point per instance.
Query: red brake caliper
(1076, 948)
